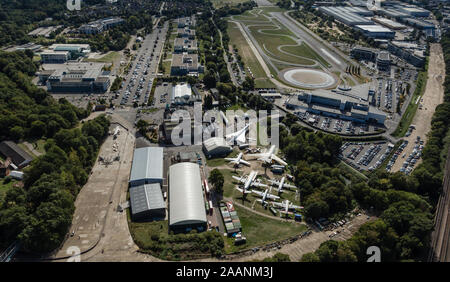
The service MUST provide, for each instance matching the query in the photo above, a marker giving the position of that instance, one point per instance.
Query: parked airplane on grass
(286, 206)
(268, 157)
(238, 160)
(281, 184)
(249, 181)
(265, 196)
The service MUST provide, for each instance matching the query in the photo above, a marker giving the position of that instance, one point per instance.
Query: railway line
(440, 250)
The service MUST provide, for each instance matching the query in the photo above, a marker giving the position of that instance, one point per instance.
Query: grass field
(220, 161)
(108, 58)
(260, 230)
(270, 43)
(249, 59)
(408, 115)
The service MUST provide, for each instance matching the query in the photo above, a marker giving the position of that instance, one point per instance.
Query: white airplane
(281, 184)
(238, 160)
(268, 156)
(286, 206)
(237, 137)
(265, 196)
(249, 181)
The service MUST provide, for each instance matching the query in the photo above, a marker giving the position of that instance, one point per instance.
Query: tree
(217, 180)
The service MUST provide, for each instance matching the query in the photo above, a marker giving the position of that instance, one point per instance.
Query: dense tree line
(207, 32)
(40, 213)
(17, 18)
(25, 110)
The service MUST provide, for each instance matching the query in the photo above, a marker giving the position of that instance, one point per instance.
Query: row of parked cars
(396, 154)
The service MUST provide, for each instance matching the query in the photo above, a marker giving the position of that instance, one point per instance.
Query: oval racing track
(308, 78)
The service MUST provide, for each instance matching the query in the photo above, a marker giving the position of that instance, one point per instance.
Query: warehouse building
(393, 13)
(376, 31)
(19, 157)
(389, 23)
(350, 16)
(147, 202)
(186, 201)
(147, 166)
(216, 147)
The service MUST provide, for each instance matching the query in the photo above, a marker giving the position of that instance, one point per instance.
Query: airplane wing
(278, 160)
(240, 139)
(244, 162)
(230, 159)
(256, 156)
(242, 190)
(295, 207)
(258, 193)
(274, 182)
(238, 179)
(290, 186)
(257, 184)
(272, 197)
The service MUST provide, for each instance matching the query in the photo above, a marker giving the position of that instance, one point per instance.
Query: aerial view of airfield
(224, 131)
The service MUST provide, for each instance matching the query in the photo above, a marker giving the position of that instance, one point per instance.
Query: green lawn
(271, 40)
(220, 161)
(108, 58)
(261, 230)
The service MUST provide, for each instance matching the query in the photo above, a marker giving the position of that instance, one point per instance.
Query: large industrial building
(147, 202)
(76, 78)
(352, 104)
(75, 50)
(408, 51)
(99, 26)
(376, 31)
(216, 147)
(147, 166)
(350, 16)
(186, 201)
